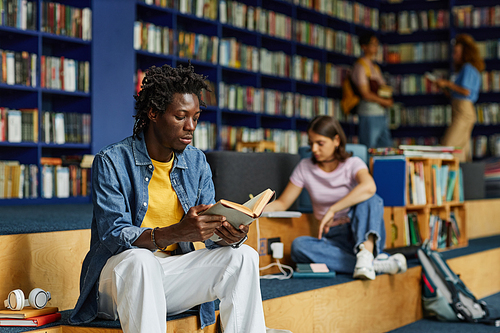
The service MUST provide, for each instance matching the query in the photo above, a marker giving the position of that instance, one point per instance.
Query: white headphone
(38, 298)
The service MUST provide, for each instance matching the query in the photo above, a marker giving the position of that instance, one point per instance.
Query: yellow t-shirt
(164, 206)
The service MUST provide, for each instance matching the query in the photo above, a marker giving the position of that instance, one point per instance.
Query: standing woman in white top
(342, 191)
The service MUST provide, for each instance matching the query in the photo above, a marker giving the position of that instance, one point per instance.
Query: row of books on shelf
(416, 52)
(469, 16)
(18, 180)
(489, 49)
(287, 141)
(275, 102)
(153, 38)
(488, 113)
(18, 68)
(201, 8)
(18, 125)
(432, 115)
(267, 22)
(350, 11)
(65, 20)
(406, 22)
(18, 14)
(65, 74)
(438, 115)
(66, 127)
(490, 81)
(23, 126)
(444, 180)
(485, 146)
(250, 58)
(61, 177)
(237, 13)
(442, 233)
(414, 84)
(160, 40)
(198, 47)
(205, 136)
(64, 181)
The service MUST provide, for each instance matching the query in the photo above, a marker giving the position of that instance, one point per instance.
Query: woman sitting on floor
(342, 191)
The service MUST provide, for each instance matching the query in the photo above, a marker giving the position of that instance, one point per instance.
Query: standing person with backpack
(367, 79)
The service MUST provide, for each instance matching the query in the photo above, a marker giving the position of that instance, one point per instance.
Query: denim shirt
(120, 176)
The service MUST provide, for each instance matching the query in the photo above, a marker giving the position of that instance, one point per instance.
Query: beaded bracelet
(154, 242)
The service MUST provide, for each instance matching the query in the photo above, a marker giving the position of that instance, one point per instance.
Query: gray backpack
(445, 296)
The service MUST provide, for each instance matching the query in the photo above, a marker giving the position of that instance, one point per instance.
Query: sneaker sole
(364, 275)
(401, 259)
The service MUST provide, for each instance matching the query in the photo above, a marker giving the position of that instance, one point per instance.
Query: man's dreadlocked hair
(158, 88)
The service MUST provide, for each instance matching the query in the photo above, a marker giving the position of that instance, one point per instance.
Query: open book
(238, 214)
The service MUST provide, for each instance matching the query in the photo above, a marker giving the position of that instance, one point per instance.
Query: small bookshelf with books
(422, 188)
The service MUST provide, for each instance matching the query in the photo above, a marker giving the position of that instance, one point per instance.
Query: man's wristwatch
(239, 243)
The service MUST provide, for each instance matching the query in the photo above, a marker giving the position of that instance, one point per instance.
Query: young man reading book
(149, 191)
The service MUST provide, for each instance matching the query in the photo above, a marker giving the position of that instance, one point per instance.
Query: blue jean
(338, 248)
(374, 131)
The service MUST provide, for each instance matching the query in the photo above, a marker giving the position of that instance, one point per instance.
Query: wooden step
(389, 302)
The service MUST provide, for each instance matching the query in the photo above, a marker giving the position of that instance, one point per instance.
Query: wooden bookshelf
(397, 218)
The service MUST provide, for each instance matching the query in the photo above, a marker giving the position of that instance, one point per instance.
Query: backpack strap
(366, 66)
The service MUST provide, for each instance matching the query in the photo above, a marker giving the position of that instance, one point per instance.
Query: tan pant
(458, 134)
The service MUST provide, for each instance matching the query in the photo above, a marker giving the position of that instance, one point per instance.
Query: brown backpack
(350, 93)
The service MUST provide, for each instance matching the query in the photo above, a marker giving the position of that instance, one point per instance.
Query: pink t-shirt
(326, 188)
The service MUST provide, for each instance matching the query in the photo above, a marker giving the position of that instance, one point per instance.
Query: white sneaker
(364, 265)
(392, 265)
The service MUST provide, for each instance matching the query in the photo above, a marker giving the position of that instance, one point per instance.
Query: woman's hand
(328, 218)
(333, 223)
(442, 83)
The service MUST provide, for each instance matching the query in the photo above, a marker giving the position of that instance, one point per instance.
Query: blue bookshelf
(174, 19)
(14, 37)
(481, 33)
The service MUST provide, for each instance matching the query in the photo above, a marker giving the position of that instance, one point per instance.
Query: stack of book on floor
(29, 316)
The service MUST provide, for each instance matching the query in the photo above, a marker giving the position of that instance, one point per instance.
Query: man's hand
(230, 234)
(198, 228)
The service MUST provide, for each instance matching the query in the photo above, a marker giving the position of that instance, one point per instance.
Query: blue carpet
(435, 326)
(44, 218)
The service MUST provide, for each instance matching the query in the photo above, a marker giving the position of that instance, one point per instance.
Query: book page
(257, 203)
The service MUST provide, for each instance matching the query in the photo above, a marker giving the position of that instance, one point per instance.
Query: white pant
(140, 288)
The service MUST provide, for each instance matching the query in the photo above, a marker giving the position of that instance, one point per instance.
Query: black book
(18, 68)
